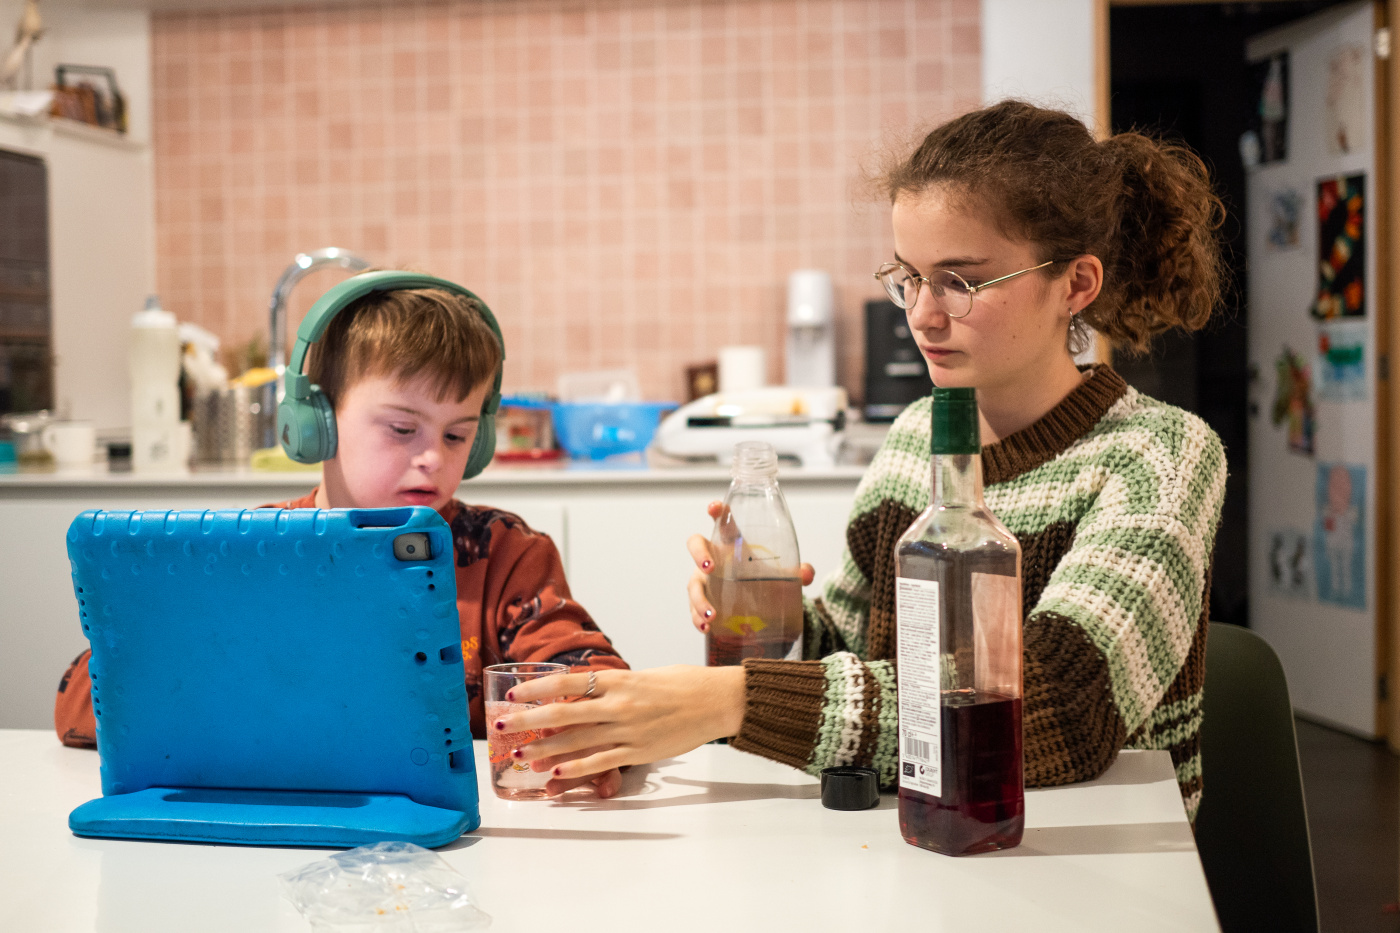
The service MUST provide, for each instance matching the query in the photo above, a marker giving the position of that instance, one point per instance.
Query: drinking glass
(512, 779)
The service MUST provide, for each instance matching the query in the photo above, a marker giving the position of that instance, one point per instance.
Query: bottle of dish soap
(756, 584)
(155, 391)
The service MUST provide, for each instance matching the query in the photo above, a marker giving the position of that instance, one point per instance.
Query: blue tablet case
(274, 677)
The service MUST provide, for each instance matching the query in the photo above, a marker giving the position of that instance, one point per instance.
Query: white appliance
(811, 334)
(806, 423)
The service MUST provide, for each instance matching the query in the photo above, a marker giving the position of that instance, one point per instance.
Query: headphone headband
(305, 421)
(342, 294)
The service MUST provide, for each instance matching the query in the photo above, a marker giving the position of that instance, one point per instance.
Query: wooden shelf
(74, 129)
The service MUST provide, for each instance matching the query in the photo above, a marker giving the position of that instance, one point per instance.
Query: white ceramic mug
(72, 443)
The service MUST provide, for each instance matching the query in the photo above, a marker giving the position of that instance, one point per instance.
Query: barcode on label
(913, 748)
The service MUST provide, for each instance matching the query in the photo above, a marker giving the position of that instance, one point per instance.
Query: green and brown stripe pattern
(1115, 498)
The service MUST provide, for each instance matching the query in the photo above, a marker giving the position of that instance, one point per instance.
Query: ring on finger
(592, 684)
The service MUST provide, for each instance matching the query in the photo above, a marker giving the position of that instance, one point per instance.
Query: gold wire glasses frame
(946, 286)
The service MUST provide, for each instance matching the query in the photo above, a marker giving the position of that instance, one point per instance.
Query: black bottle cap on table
(850, 788)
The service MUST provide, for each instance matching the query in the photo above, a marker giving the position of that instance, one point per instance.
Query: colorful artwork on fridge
(1269, 123)
(1341, 238)
(1341, 361)
(1339, 535)
(1290, 563)
(1293, 402)
(1285, 219)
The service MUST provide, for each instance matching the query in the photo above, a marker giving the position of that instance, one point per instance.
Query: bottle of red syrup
(958, 611)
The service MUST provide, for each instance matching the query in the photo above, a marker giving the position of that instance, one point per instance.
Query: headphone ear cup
(483, 447)
(306, 427)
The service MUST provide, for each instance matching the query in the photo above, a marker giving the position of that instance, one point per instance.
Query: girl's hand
(605, 785)
(633, 717)
(701, 612)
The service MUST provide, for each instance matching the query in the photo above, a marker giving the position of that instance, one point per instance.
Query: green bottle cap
(955, 428)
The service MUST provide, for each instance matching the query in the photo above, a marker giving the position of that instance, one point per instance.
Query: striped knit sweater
(1115, 498)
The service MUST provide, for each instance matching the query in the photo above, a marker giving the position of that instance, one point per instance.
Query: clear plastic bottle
(756, 585)
(155, 390)
(958, 610)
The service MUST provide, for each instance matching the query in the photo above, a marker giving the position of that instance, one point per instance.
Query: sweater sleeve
(535, 616)
(1117, 630)
(72, 708)
(835, 707)
(812, 715)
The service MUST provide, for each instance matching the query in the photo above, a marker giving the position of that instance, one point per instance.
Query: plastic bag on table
(389, 886)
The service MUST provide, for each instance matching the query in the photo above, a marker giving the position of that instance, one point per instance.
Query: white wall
(1040, 50)
(101, 206)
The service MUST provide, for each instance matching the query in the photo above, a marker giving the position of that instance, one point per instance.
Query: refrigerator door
(1313, 216)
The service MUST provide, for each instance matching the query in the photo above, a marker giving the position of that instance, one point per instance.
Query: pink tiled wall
(626, 183)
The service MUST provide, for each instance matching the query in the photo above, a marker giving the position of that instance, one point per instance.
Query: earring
(1081, 335)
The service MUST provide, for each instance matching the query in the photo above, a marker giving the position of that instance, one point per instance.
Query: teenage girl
(1015, 232)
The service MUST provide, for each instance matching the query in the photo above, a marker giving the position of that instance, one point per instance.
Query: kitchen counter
(620, 529)
(567, 473)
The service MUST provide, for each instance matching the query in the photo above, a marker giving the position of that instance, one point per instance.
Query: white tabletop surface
(713, 841)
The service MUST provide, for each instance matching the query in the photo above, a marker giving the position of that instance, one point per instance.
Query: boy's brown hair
(407, 333)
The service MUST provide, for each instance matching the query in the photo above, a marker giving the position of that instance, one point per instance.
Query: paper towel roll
(742, 368)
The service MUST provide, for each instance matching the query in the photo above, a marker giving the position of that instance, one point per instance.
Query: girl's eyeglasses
(951, 292)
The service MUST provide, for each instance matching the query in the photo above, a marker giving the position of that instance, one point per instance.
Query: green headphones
(306, 418)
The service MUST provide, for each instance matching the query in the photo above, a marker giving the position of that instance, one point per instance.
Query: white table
(714, 841)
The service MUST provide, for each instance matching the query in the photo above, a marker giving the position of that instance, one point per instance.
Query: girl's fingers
(556, 786)
(701, 612)
(699, 550)
(608, 783)
(541, 765)
(808, 574)
(550, 716)
(568, 744)
(590, 765)
(715, 509)
(548, 688)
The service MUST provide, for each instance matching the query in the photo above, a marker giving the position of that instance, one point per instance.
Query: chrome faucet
(277, 310)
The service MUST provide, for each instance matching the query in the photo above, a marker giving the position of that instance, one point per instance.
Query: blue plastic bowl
(594, 430)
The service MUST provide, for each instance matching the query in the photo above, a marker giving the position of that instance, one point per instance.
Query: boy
(407, 372)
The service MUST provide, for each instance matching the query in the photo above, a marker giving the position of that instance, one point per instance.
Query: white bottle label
(920, 693)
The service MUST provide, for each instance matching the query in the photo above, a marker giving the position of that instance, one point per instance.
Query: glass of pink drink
(510, 778)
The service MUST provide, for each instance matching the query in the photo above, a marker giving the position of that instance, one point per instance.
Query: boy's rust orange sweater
(513, 604)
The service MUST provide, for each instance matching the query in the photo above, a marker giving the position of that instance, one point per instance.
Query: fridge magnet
(1290, 564)
(1269, 123)
(1293, 402)
(1341, 238)
(1339, 535)
(1341, 361)
(1346, 117)
(1285, 215)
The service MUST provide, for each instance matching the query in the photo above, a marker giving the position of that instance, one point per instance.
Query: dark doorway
(26, 363)
(1179, 71)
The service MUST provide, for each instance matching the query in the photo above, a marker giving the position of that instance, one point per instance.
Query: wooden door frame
(1387, 530)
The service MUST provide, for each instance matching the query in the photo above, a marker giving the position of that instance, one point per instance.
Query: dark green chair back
(1252, 827)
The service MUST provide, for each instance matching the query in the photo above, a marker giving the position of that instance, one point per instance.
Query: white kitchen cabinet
(621, 533)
